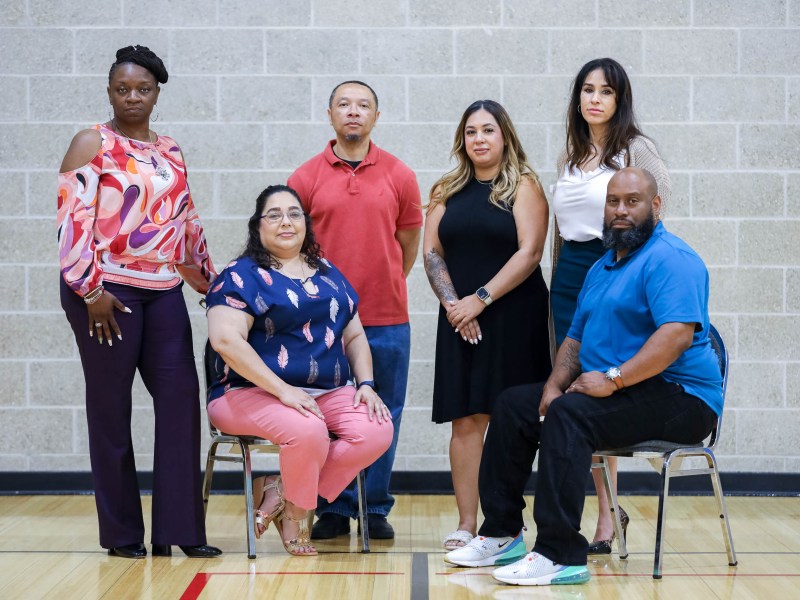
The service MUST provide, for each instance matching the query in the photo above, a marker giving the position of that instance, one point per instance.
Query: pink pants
(311, 463)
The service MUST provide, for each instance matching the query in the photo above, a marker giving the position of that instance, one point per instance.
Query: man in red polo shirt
(366, 209)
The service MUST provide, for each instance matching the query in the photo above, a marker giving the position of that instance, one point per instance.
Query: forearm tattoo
(439, 278)
(570, 361)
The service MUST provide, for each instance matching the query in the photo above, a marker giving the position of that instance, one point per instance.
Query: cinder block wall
(716, 83)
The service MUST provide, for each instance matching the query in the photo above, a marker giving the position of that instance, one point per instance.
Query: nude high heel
(262, 519)
(301, 540)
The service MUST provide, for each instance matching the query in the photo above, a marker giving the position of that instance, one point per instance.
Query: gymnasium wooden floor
(48, 549)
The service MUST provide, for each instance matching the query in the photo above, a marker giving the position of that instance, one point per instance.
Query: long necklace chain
(302, 281)
(119, 129)
(302, 277)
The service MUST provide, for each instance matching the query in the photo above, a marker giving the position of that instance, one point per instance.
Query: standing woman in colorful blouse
(285, 324)
(128, 231)
(602, 137)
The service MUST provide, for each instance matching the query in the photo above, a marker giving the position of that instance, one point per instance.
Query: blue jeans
(391, 350)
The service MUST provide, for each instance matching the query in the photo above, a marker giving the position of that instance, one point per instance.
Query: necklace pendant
(163, 173)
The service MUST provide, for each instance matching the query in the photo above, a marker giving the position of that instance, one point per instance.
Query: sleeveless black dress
(478, 239)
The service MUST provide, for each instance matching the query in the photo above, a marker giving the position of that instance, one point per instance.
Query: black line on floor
(419, 576)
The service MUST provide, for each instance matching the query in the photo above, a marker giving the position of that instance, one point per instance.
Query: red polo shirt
(355, 214)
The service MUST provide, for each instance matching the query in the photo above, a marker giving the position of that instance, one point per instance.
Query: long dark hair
(621, 129)
(513, 168)
(255, 250)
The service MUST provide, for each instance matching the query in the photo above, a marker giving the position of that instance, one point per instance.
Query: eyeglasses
(274, 217)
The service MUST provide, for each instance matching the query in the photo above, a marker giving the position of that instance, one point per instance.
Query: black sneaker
(329, 525)
(379, 527)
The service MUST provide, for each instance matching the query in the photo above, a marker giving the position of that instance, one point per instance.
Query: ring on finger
(98, 324)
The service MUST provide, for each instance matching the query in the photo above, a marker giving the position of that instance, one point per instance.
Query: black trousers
(576, 425)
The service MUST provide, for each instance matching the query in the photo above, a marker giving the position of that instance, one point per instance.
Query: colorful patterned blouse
(128, 217)
(297, 334)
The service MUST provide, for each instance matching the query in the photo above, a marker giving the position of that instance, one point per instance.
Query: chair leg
(212, 451)
(662, 517)
(622, 545)
(248, 499)
(723, 512)
(361, 490)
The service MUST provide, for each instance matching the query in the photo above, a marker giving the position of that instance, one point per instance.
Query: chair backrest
(209, 367)
(209, 359)
(721, 351)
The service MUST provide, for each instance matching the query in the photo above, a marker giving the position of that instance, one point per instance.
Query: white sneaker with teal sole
(535, 569)
(487, 551)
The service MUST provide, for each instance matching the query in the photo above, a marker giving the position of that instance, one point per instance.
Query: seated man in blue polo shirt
(637, 364)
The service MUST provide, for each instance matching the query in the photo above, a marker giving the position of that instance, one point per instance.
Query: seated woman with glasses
(285, 324)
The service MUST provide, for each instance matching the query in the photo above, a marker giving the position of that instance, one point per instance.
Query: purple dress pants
(156, 340)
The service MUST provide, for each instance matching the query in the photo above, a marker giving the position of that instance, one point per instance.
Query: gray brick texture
(716, 85)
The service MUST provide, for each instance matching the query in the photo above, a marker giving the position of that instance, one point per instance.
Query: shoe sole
(129, 556)
(568, 576)
(513, 555)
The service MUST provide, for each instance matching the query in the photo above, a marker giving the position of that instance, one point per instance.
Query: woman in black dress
(484, 237)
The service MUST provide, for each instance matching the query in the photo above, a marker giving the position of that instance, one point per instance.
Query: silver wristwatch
(615, 375)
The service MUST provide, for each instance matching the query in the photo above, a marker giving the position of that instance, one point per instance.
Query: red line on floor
(196, 587)
(306, 573)
(198, 584)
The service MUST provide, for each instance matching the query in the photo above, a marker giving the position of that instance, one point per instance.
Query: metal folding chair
(245, 442)
(668, 458)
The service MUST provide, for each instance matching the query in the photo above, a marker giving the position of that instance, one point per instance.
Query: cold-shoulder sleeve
(77, 210)
(643, 154)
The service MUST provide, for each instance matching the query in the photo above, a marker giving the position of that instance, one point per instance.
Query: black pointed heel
(604, 546)
(129, 551)
(202, 551)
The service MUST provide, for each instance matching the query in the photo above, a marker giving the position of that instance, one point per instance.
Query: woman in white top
(602, 137)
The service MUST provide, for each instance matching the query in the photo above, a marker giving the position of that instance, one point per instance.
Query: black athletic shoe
(329, 525)
(379, 527)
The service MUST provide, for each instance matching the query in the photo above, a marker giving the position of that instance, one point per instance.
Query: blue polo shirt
(623, 302)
